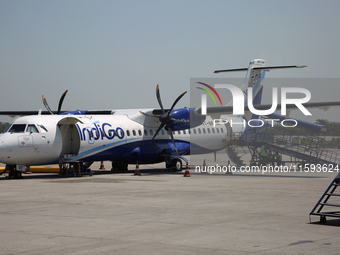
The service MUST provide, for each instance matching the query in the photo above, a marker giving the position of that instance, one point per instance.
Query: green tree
(332, 127)
(3, 125)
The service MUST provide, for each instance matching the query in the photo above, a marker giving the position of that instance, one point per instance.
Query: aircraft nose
(2, 145)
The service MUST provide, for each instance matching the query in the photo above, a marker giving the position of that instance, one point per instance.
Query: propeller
(60, 103)
(166, 117)
(61, 100)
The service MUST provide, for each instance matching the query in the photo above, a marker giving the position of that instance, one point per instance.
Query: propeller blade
(61, 101)
(159, 98)
(159, 129)
(165, 118)
(172, 138)
(46, 105)
(176, 101)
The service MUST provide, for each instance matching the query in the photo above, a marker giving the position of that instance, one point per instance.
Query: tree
(3, 125)
(332, 128)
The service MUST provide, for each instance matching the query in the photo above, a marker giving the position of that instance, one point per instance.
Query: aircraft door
(70, 137)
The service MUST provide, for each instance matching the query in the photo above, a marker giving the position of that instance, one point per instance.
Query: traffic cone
(28, 170)
(229, 171)
(187, 171)
(205, 167)
(102, 166)
(137, 172)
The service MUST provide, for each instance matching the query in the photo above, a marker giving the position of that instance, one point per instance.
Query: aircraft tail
(254, 79)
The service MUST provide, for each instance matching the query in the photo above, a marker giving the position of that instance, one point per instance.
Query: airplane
(124, 137)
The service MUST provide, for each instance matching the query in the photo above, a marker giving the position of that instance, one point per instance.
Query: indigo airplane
(126, 136)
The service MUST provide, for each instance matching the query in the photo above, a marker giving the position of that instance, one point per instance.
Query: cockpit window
(31, 128)
(43, 129)
(7, 128)
(17, 128)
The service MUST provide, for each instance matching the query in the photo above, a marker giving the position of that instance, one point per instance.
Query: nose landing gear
(13, 172)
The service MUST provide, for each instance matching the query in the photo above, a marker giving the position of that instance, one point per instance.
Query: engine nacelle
(185, 118)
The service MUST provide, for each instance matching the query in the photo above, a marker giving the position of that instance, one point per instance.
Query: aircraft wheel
(178, 165)
(168, 167)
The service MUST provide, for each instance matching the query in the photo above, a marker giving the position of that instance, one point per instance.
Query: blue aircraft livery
(100, 131)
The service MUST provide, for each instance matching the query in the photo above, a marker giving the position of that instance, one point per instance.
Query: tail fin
(256, 71)
(255, 81)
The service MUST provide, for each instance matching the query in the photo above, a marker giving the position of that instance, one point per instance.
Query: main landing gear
(173, 165)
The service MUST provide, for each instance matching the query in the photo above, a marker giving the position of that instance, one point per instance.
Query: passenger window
(151, 132)
(128, 132)
(199, 131)
(184, 132)
(179, 132)
(139, 132)
(213, 130)
(221, 130)
(162, 131)
(195, 131)
(134, 132)
(18, 128)
(208, 130)
(145, 132)
(203, 130)
(218, 131)
(120, 133)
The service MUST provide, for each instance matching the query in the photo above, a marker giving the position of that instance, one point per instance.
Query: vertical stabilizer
(255, 81)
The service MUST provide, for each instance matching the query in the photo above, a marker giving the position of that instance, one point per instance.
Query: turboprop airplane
(126, 136)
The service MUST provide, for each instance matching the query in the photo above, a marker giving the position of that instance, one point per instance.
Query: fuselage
(37, 140)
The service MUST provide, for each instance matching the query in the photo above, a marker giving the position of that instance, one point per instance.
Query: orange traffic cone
(28, 170)
(187, 171)
(137, 172)
(102, 166)
(205, 169)
(229, 170)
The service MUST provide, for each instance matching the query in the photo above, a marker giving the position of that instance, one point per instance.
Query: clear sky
(112, 54)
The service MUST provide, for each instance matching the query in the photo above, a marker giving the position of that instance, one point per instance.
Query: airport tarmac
(165, 213)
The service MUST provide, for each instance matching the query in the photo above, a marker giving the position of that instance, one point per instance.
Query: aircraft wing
(229, 109)
(27, 113)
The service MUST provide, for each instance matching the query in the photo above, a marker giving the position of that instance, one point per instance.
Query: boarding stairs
(299, 143)
(324, 202)
(234, 154)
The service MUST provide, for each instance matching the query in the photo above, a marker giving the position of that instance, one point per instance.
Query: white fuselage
(36, 140)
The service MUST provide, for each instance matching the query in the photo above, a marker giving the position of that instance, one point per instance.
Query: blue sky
(112, 54)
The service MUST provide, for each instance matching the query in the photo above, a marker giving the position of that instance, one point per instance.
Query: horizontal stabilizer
(232, 70)
(266, 68)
